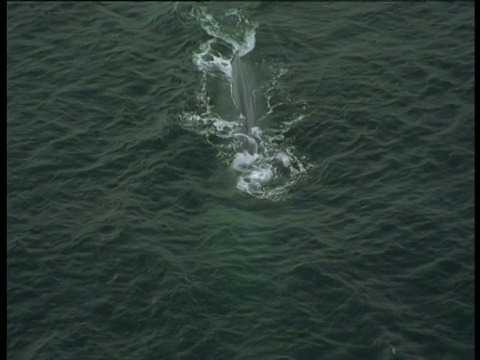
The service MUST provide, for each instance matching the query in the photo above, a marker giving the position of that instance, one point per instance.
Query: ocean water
(140, 227)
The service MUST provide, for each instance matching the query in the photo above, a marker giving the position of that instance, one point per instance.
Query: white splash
(269, 168)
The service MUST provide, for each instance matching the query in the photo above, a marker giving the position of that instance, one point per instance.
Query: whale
(242, 92)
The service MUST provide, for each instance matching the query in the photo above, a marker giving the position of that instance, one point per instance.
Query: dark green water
(139, 228)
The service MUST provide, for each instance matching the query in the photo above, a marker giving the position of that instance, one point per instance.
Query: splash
(266, 164)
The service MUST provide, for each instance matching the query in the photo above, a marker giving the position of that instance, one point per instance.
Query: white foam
(283, 158)
(270, 168)
(256, 131)
(252, 182)
(223, 126)
(244, 160)
(239, 33)
(261, 175)
(206, 60)
(248, 43)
